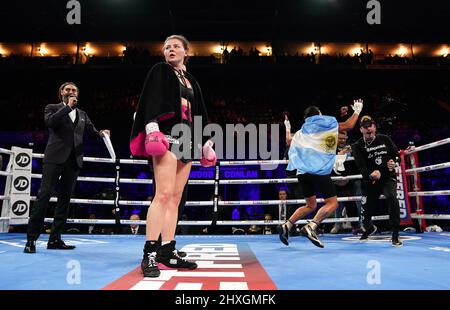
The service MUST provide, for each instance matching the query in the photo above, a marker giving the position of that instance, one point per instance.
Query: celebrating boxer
(312, 154)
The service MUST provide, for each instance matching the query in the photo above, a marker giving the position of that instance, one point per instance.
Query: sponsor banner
(418, 187)
(20, 189)
(402, 192)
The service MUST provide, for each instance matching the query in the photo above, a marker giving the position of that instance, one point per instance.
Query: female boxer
(170, 100)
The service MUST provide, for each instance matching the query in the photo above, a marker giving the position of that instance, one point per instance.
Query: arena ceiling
(299, 20)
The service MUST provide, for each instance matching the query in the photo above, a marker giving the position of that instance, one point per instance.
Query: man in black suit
(63, 160)
(134, 229)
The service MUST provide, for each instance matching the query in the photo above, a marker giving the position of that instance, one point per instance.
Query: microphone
(75, 100)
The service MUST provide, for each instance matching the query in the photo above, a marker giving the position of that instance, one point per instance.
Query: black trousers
(50, 174)
(387, 187)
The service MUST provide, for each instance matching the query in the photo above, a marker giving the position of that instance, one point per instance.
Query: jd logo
(19, 208)
(21, 183)
(23, 159)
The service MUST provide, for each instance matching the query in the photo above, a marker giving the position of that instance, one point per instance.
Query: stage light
(444, 51)
(87, 50)
(218, 49)
(356, 51)
(2, 51)
(42, 50)
(401, 51)
(312, 49)
(264, 50)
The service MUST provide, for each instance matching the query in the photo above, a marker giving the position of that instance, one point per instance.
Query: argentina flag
(313, 148)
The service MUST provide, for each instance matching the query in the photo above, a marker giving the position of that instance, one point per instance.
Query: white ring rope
(288, 201)
(112, 161)
(126, 180)
(6, 151)
(244, 223)
(431, 216)
(253, 162)
(430, 193)
(5, 173)
(260, 162)
(202, 203)
(286, 180)
(428, 168)
(123, 202)
(427, 146)
(221, 223)
(204, 182)
(81, 201)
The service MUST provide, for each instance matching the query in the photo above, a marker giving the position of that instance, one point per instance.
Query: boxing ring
(234, 262)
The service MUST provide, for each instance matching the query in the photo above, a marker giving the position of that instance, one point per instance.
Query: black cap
(366, 121)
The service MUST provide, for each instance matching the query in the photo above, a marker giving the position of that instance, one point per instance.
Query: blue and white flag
(313, 148)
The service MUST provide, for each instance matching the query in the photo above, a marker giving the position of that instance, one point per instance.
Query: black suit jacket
(127, 230)
(65, 135)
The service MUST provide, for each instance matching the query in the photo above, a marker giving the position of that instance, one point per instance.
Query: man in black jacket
(376, 157)
(134, 229)
(63, 160)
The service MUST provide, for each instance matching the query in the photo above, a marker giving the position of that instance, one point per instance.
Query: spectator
(376, 156)
(268, 229)
(134, 229)
(282, 207)
(344, 188)
(93, 228)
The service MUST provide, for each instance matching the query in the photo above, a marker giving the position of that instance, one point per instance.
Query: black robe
(160, 101)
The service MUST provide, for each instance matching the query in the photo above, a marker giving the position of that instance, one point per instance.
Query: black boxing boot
(169, 257)
(180, 253)
(283, 233)
(310, 232)
(149, 266)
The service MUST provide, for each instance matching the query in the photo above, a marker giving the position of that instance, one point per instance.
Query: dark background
(308, 20)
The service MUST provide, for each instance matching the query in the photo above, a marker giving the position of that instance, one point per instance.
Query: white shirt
(72, 114)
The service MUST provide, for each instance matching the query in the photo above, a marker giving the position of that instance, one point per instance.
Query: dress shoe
(30, 247)
(369, 232)
(59, 245)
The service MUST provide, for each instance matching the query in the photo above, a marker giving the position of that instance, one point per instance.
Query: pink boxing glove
(155, 142)
(209, 157)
